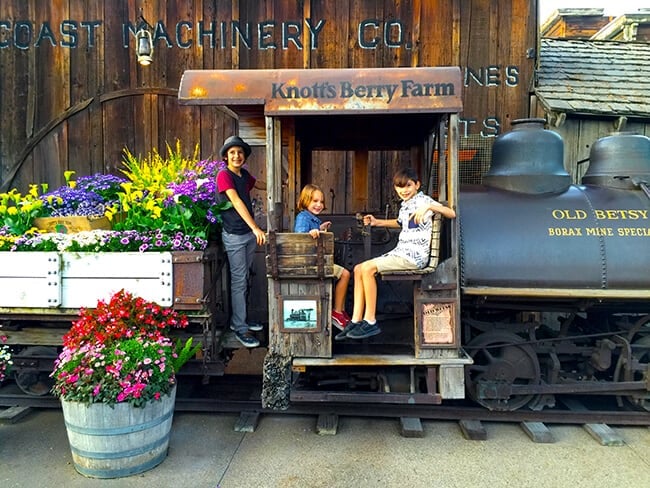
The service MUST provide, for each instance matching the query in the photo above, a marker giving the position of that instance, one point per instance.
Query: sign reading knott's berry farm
(397, 90)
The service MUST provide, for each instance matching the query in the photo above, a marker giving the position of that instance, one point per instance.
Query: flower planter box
(73, 280)
(71, 224)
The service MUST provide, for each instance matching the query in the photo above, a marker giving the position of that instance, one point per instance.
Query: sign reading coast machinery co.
(327, 90)
(266, 34)
(292, 34)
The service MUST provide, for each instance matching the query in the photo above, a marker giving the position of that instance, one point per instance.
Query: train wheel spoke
(500, 359)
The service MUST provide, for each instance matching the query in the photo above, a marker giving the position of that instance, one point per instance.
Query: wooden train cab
(373, 120)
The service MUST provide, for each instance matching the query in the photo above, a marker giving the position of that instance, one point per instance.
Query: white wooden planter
(73, 280)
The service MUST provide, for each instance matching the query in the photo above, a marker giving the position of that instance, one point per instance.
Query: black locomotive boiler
(554, 276)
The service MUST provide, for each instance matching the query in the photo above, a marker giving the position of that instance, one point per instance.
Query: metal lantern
(144, 46)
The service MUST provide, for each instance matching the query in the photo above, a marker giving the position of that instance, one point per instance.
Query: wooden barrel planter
(118, 441)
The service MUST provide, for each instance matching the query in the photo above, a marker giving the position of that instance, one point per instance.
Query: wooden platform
(380, 360)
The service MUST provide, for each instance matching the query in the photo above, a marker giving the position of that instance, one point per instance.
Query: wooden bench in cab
(434, 256)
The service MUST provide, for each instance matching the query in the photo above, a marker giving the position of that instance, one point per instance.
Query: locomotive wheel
(500, 358)
(31, 381)
(641, 402)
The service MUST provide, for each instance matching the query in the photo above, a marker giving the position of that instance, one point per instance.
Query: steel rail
(454, 412)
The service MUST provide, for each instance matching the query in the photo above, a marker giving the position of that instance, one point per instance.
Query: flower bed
(68, 248)
(163, 204)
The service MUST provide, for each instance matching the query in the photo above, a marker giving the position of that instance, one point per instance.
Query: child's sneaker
(343, 335)
(255, 327)
(339, 319)
(363, 330)
(247, 339)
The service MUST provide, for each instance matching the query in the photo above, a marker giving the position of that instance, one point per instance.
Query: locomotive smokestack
(619, 160)
(529, 159)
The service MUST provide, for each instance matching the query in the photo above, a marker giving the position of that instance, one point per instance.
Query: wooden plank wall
(77, 108)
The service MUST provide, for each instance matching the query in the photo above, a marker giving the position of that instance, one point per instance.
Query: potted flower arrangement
(116, 379)
(80, 204)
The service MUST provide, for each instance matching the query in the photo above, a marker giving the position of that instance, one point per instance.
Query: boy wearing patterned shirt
(411, 252)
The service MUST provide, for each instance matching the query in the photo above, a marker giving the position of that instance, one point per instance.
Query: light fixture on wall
(144, 42)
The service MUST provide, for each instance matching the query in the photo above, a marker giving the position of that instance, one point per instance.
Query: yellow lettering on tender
(596, 231)
(635, 214)
(633, 232)
(564, 231)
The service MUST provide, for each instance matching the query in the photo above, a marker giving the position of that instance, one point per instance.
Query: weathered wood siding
(73, 96)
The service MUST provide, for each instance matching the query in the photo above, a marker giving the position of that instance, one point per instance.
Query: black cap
(233, 141)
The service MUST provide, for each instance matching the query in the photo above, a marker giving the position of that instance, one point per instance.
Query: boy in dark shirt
(241, 234)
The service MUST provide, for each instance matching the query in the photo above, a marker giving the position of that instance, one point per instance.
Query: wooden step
(380, 360)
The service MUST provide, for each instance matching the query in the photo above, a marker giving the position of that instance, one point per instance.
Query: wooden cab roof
(327, 91)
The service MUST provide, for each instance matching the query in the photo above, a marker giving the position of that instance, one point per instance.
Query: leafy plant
(154, 172)
(18, 211)
(185, 352)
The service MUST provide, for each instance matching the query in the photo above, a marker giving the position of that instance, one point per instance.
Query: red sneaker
(340, 319)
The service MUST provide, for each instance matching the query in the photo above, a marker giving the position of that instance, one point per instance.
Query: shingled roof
(594, 77)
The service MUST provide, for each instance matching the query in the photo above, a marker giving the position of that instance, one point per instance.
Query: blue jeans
(241, 252)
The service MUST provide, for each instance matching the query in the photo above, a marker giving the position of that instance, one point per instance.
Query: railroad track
(241, 394)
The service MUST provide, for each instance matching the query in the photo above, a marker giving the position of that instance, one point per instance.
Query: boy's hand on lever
(369, 220)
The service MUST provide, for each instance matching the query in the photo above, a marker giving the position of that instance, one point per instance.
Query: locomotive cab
(349, 130)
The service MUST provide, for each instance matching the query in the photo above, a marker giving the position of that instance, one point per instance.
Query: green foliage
(184, 353)
(18, 211)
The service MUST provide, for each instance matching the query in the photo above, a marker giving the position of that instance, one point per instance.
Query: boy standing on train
(411, 252)
(241, 234)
